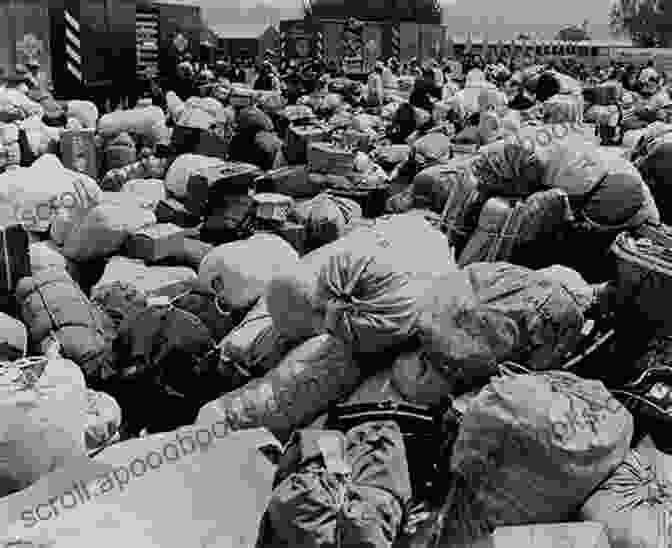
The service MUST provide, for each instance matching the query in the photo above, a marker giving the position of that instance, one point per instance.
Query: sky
(499, 19)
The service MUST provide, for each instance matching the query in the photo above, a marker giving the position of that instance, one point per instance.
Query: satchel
(156, 242)
(213, 183)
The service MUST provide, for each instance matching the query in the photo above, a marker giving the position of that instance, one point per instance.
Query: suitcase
(174, 212)
(299, 138)
(607, 94)
(291, 181)
(644, 283)
(659, 234)
(330, 159)
(79, 151)
(232, 220)
(14, 257)
(519, 231)
(372, 201)
(212, 184)
(153, 243)
(208, 142)
(458, 217)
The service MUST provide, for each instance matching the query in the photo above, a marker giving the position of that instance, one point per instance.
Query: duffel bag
(367, 467)
(239, 272)
(633, 503)
(252, 348)
(309, 379)
(326, 218)
(141, 121)
(43, 403)
(103, 230)
(151, 280)
(151, 191)
(54, 307)
(531, 449)
(508, 168)
(147, 168)
(85, 112)
(643, 276)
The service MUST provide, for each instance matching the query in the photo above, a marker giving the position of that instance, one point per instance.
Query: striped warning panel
(319, 45)
(396, 41)
(283, 44)
(73, 45)
(147, 43)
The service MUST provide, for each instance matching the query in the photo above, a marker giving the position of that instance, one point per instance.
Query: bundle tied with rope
(531, 449)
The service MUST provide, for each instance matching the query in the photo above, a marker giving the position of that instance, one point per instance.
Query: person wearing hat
(264, 81)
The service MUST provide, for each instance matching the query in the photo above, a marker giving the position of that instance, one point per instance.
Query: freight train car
(92, 47)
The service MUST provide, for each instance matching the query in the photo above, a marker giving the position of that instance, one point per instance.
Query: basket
(273, 207)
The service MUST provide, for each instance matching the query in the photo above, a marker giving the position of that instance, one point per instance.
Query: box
(79, 151)
(156, 242)
(273, 207)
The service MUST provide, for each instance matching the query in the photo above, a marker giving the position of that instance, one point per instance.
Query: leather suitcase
(79, 151)
(659, 234)
(156, 242)
(519, 231)
(644, 283)
(174, 212)
(211, 185)
(330, 159)
(291, 181)
(14, 257)
(299, 137)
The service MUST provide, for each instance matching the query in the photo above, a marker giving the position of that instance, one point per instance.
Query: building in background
(246, 41)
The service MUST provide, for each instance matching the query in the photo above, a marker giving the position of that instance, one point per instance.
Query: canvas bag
(359, 481)
(43, 404)
(531, 449)
(307, 381)
(210, 506)
(634, 503)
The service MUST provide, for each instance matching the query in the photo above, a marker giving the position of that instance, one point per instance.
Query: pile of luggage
(448, 342)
